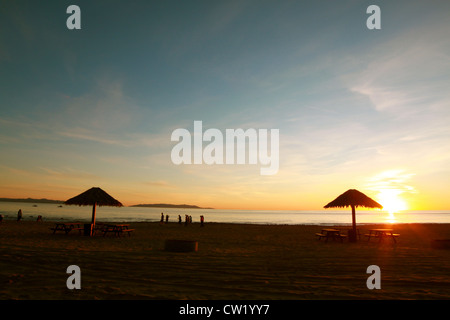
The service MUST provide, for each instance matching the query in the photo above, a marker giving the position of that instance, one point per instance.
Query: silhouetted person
(202, 220)
(167, 218)
(39, 218)
(162, 217)
(1, 218)
(19, 215)
(179, 219)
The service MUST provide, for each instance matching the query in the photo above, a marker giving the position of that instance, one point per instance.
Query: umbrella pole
(93, 218)
(353, 237)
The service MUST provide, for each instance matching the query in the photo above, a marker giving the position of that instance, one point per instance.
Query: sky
(356, 108)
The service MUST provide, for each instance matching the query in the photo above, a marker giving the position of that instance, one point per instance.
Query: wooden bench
(116, 230)
(66, 227)
(106, 229)
(341, 236)
(334, 235)
(396, 235)
(321, 235)
(382, 234)
(57, 229)
(127, 230)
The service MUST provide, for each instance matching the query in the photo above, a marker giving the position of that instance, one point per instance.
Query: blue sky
(356, 108)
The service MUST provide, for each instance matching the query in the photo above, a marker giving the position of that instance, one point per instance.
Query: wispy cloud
(159, 184)
(16, 171)
(125, 140)
(104, 107)
(409, 74)
(68, 173)
(91, 135)
(396, 179)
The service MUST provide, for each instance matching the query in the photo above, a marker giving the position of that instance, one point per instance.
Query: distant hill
(157, 205)
(30, 200)
(165, 205)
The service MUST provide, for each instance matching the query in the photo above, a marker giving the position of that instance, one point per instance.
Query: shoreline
(32, 219)
(281, 217)
(233, 261)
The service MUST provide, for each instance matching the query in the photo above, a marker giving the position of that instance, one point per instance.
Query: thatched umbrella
(94, 197)
(354, 199)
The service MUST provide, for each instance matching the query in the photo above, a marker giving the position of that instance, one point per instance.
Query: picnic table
(66, 227)
(116, 229)
(382, 233)
(334, 234)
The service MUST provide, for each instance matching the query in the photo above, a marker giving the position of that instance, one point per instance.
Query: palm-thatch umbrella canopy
(353, 198)
(94, 197)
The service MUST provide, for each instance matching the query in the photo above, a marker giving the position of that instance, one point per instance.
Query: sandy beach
(233, 261)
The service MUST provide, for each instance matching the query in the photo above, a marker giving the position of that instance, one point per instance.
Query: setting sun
(391, 201)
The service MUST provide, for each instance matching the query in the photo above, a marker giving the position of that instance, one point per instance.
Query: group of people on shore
(20, 216)
(187, 219)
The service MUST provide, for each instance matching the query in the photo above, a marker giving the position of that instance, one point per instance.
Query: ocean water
(52, 212)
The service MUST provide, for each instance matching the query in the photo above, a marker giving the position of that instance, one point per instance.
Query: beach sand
(233, 261)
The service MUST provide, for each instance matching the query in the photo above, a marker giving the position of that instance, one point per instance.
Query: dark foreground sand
(232, 262)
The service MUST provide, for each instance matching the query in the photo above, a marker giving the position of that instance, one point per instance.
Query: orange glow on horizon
(393, 200)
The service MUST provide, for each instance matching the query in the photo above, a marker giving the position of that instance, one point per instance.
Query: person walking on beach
(179, 219)
(202, 220)
(19, 215)
(162, 217)
(167, 218)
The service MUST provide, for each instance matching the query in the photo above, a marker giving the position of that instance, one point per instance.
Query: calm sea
(52, 212)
